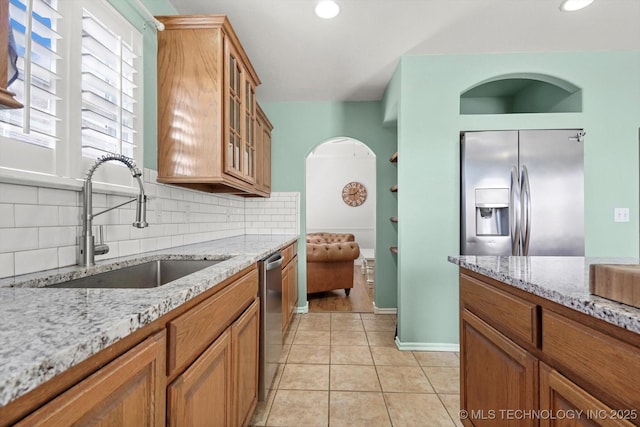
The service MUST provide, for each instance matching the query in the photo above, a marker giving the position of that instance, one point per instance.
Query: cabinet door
(130, 391)
(234, 77)
(249, 134)
(496, 375)
(201, 396)
(286, 290)
(293, 286)
(266, 159)
(259, 154)
(245, 338)
(568, 405)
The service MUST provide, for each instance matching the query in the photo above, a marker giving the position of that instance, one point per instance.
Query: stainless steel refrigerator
(522, 192)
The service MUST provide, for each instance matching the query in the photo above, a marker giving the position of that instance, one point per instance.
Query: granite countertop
(564, 280)
(46, 331)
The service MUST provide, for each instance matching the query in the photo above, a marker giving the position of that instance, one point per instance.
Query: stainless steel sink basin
(147, 275)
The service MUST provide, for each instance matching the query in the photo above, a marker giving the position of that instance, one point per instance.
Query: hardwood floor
(360, 300)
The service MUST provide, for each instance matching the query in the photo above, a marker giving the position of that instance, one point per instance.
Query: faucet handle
(100, 248)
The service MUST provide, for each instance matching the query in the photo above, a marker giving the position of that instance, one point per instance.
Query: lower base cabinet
(289, 291)
(221, 387)
(497, 374)
(245, 342)
(201, 396)
(129, 391)
(522, 358)
(206, 351)
(560, 396)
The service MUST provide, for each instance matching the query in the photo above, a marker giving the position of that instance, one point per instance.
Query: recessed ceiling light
(327, 9)
(572, 5)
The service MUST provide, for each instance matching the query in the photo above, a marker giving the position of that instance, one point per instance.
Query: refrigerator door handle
(514, 211)
(525, 211)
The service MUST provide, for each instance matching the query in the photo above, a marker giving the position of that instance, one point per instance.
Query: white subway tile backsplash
(36, 215)
(67, 255)
(117, 232)
(177, 240)
(51, 196)
(148, 245)
(11, 193)
(44, 224)
(6, 265)
(129, 247)
(38, 260)
(18, 239)
(69, 215)
(49, 237)
(6, 215)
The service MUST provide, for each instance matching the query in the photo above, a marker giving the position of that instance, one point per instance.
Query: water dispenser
(492, 211)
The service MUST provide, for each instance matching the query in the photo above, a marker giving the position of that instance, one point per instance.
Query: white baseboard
(426, 346)
(378, 310)
(302, 310)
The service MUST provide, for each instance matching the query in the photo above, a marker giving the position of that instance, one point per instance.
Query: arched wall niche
(520, 93)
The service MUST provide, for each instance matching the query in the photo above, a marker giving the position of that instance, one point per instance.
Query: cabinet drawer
(598, 359)
(509, 314)
(289, 252)
(192, 332)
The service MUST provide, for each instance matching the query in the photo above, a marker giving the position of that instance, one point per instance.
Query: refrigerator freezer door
(486, 162)
(554, 161)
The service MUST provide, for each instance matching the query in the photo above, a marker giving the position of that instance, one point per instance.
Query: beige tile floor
(343, 369)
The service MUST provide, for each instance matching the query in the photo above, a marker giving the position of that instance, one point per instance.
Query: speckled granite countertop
(564, 280)
(46, 331)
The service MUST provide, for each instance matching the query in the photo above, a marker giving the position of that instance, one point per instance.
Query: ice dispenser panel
(492, 211)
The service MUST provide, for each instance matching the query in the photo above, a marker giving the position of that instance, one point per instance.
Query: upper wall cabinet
(263, 143)
(207, 111)
(7, 99)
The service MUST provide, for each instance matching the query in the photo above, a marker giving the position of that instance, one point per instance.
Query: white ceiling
(300, 57)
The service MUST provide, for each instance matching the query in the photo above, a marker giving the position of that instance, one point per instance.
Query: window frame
(69, 167)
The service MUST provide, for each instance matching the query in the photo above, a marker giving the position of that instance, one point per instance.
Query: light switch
(621, 215)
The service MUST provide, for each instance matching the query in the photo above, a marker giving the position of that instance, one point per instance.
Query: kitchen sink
(147, 275)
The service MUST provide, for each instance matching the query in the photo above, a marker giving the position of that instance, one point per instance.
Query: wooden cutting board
(616, 282)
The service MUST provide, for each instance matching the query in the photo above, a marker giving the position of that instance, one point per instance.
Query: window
(79, 80)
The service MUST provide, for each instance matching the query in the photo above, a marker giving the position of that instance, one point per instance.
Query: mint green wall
(130, 10)
(298, 128)
(429, 124)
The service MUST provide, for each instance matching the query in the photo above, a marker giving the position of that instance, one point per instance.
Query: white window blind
(109, 88)
(35, 28)
(79, 78)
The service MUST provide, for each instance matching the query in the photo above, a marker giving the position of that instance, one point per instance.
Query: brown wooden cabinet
(7, 98)
(495, 374)
(245, 341)
(263, 144)
(197, 365)
(202, 394)
(207, 110)
(227, 326)
(560, 396)
(526, 360)
(289, 284)
(129, 391)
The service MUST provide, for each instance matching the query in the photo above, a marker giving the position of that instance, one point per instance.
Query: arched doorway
(330, 166)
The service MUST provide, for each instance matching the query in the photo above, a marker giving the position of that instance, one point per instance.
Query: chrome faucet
(87, 248)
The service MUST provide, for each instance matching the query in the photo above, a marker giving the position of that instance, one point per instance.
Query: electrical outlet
(621, 215)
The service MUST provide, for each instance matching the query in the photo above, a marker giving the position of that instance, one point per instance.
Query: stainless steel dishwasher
(271, 338)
